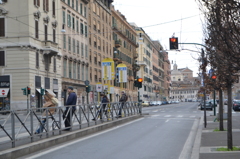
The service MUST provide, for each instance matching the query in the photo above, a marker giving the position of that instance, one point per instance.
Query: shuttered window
(36, 3)
(36, 29)
(46, 5)
(54, 35)
(37, 60)
(2, 58)
(53, 7)
(2, 27)
(46, 32)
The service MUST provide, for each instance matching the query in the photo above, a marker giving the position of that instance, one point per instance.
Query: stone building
(30, 54)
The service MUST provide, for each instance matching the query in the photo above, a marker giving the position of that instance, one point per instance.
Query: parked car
(211, 100)
(236, 105)
(208, 104)
(153, 103)
(145, 103)
(164, 102)
(159, 102)
(225, 101)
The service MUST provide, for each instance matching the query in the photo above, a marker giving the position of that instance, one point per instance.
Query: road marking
(179, 116)
(155, 115)
(155, 111)
(167, 121)
(167, 116)
(192, 116)
(76, 141)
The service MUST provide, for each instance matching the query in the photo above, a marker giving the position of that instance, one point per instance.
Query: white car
(159, 102)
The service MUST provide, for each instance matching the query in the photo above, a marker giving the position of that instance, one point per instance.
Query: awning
(51, 92)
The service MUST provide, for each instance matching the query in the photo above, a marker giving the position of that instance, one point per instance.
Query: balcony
(86, 1)
(49, 48)
(117, 43)
(135, 55)
(142, 63)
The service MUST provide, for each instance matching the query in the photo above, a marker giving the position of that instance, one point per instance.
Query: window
(86, 30)
(73, 4)
(46, 5)
(70, 69)
(86, 51)
(54, 64)
(82, 49)
(64, 17)
(82, 72)
(2, 27)
(37, 3)
(64, 42)
(47, 83)
(78, 51)
(77, 26)
(78, 71)
(69, 43)
(86, 72)
(74, 50)
(81, 9)
(74, 70)
(46, 32)
(85, 11)
(54, 35)
(77, 5)
(53, 8)
(36, 29)
(2, 58)
(64, 68)
(37, 60)
(69, 20)
(73, 23)
(82, 28)
(69, 2)
(37, 81)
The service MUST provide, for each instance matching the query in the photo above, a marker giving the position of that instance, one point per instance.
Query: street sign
(108, 70)
(122, 73)
(111, 90)
(4, 92)
(99, 87)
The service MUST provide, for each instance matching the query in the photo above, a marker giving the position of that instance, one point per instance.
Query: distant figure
(122, 101)
(71, 101)
(104, 101)
(48, 103)
(6, 104)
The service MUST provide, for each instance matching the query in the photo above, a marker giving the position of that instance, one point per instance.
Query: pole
(87, 99)
(214, 97)
(204, 93)
(27, 103)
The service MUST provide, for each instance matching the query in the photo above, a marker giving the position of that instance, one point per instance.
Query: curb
(46, 143)
(197, 143)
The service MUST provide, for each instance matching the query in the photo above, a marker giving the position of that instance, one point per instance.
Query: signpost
(99, 89)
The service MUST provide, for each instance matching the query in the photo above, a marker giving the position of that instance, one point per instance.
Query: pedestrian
(70, 108)
(50, 111)
(6, 106)
(104, 102)
(122, 101)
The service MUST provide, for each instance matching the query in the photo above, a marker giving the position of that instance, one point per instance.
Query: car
(159, 102)
(145, 103)
(152, 103)
(211, 100)
(225, 101)
(209, 105)
(236, 105)
(164, 102)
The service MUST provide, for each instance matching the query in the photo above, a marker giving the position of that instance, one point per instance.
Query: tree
(222, 38)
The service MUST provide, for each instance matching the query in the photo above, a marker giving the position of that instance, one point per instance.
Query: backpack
(54, 101)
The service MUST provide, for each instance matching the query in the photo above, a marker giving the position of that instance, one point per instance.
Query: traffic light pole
(214, 97)
(28, 109)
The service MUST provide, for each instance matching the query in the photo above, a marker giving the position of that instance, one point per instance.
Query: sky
(161, 19)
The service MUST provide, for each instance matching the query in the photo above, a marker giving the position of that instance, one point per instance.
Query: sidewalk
(211, 140)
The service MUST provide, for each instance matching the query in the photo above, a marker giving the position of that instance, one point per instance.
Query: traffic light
(173, 43)
(28, 90)
(42, 91)
(140, 80)
(88, 88)
(214, 77)
(24, 91)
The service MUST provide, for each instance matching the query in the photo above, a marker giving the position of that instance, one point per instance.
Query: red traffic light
(140, 80)
(214, 77)
(28, 88)
(173, 40)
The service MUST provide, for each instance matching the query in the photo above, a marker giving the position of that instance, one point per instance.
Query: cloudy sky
(162, 18)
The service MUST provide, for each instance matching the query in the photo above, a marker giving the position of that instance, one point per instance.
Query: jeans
(120, 109)
(41, 127)
(67, 122)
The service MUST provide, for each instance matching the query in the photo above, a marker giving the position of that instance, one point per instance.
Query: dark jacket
(72, 99)
(104, 100)
(123, 98)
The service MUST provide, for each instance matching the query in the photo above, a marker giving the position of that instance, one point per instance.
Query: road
(168, 132)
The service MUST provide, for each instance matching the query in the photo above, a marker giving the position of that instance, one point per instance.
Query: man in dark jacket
(122, 101)
(105, 100)
(70, 108)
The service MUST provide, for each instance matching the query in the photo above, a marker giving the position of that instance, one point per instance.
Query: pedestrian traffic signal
(88, 88)
(24, 91)
(173, 43)
(28, 90)
(42, 91)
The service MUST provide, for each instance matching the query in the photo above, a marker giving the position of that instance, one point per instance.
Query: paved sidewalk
(211, 140)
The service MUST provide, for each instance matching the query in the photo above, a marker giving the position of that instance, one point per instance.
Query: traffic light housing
(140, 80)
(214, 77)
(24, 91)
(28, 90)
(173, 43)
(42, 91)
(88, 88)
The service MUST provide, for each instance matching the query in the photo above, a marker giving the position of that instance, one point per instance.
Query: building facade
(29, 50)
(167, 76)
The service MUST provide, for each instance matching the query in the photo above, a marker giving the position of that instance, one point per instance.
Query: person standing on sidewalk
(122, 101)
(104, 101)
(70, 108)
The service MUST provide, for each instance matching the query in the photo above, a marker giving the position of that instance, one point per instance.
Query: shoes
(36, 133)
(94, 119)
(66, 130)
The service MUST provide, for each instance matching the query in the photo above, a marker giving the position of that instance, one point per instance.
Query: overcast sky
(162, 18)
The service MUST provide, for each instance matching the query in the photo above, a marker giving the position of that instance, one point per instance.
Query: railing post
(46, 123)
(80, 116)
(88, 109)
(60, 120)
(13, 128)
(31, 122)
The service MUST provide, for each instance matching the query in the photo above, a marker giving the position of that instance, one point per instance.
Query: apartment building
(74, 47)
(29, 50)
(124, 46)
(100, 41)
(167, 75)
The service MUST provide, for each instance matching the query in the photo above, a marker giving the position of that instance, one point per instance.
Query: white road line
(192, 116)
(155, 111)
(180, 116)
(76, 141)
(167, 116)
(167, 121)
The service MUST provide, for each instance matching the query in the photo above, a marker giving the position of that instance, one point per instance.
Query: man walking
(70, 108)
(122, 101)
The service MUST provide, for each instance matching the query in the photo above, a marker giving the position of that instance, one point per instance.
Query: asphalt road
(168, 132)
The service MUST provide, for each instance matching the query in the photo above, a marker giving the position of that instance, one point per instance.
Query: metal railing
(20, 125)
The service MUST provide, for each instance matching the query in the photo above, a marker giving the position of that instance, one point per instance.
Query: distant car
(159, 102)
(225, 101)
(145, 103)
(236, 105)
(152, 103)
(164, 102)
(209, 105)
(211, 100)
